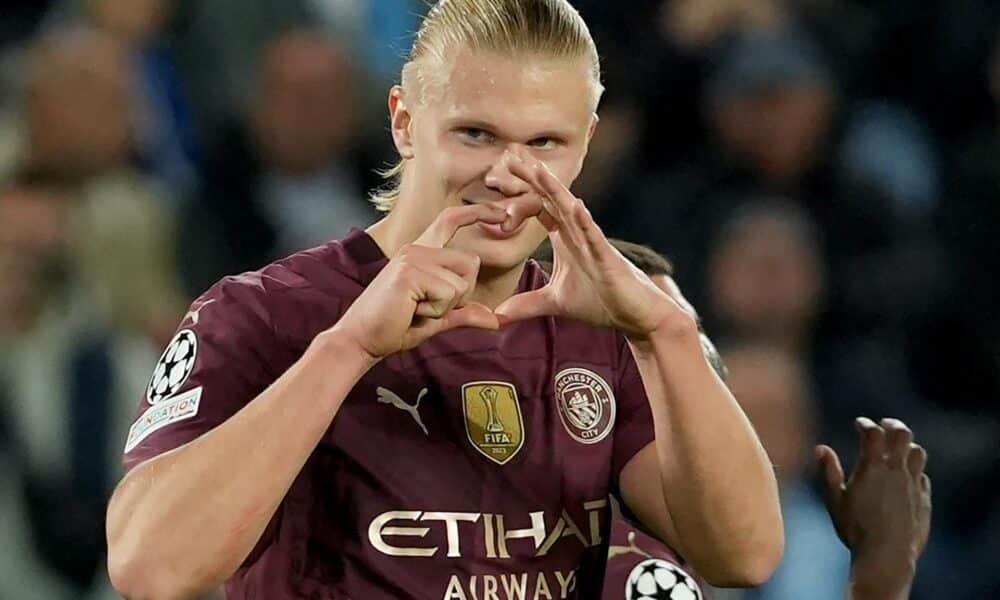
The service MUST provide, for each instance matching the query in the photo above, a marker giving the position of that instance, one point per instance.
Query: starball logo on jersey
(586, 404)
(491, 536)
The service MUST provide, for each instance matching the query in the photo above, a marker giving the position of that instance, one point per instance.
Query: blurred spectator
(76, 127)
(380, 32)
(219, 44)
(773, 387)
(164, 141)
(765, 276)
(778, 127)
(293, 179)
(166, 137)
(67, 384)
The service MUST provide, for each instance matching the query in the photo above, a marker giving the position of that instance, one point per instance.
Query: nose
(500, 179)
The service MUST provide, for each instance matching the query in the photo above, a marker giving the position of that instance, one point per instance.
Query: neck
(496, 285)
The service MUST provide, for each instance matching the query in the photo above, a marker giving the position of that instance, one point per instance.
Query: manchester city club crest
(493, 419)
(586, 404)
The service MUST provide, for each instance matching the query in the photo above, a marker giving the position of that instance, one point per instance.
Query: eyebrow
(490, 127)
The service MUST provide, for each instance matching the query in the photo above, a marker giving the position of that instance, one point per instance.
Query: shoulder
(289, 297)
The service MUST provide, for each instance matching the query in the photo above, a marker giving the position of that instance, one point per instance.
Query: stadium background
(825, 175)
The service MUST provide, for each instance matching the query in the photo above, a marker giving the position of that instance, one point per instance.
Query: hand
(883, 512)
(591, 281)
(423, 289)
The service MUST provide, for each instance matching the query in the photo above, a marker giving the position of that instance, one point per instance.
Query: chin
(499, 255)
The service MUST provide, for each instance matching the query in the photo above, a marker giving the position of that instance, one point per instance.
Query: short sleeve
(634, 421)
(216, 363)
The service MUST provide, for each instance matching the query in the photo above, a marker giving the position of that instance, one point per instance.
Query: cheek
(455, 164)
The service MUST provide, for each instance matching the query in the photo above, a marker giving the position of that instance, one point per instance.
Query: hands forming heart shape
(424, 289)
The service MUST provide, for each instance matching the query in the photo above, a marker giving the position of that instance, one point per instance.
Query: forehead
(518, 94)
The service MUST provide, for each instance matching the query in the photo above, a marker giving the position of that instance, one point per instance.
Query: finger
(916, 460)
(526, 305)
(871, 449)
(556, 199)
(462, 285)
(925, 484)
(525, 207)
(464, 264)
(596, 242)
(555, 188)
(433, 296)
(833, 476)
(470, 315)
(453, 218)
(898, 438)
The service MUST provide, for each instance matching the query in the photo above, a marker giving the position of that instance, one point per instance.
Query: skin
(882, 512)
(472, 208)
(453, 139)
(509, 107)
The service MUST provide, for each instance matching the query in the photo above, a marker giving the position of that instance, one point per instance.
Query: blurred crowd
(824, 174)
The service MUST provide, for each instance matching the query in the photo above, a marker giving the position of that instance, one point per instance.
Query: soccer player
(417, 410)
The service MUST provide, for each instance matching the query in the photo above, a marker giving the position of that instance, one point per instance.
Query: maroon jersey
(641, 567)
(476, 466)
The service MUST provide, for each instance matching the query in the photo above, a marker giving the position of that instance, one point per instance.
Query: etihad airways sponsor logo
(511, 586)
(397, 532)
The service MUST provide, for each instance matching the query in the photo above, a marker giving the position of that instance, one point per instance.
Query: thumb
(472, 314)
(833, 475)
(527, 305)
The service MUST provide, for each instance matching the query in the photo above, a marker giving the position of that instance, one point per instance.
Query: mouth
(495, 231)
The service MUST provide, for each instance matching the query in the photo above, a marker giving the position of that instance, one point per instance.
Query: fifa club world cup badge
(493, 419)
(586, 404)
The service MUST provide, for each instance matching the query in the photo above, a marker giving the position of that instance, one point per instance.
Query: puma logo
(195, 314)
(388, 397)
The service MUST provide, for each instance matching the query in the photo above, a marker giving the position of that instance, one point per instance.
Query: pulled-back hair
(515, 28)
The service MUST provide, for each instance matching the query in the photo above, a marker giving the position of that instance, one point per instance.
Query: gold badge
(493, 419)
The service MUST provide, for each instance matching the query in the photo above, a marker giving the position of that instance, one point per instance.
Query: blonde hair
(548, 28)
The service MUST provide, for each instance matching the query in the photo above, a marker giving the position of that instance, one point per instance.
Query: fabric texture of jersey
(477, 465)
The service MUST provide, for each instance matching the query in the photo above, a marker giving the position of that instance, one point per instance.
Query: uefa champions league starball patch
(657, 579)
(173, 368)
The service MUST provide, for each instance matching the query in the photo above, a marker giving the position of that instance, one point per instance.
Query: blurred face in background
(475, 109)
(79, 106)
(771, 388)
(133, 21)
(35, 235)
(306, 113)
(780, 130)
(765, 279)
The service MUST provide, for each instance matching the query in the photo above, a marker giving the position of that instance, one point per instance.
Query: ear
(593, 127)
(401, 121)
(590, 132)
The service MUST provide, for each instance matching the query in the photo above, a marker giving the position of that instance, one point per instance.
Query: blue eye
(477, 135)
(543, 143)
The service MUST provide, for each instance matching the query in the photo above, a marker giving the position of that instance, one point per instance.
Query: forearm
(880, 579)
(719, 483)
(191, 516)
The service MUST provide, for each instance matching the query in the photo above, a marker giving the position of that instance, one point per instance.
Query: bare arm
(181, 523)
(723, 497)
